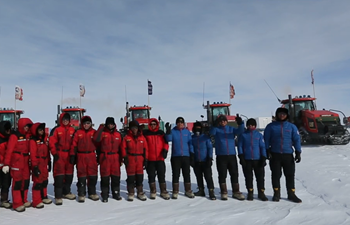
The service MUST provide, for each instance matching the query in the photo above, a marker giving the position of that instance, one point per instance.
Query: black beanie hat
(222, 118)
(109, 120)
(66, 116)
(251, 122)
(86, 119)
(281, 110)
(196, 124)
(7, 125)
(133, 123)
(180, 120)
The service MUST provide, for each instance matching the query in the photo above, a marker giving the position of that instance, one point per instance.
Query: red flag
(232, 91)
(18, 93)
(312, 77)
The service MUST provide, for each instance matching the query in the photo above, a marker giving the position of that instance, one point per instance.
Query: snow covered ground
(322, 182)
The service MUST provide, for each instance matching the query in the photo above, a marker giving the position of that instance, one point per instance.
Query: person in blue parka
(280, 137)
(181, 149)
(203, 160)
(252, 155)
(226, 158)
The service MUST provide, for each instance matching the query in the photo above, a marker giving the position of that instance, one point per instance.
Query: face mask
(198, 133)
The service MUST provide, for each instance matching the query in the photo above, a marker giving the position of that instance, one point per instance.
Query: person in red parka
(17, 158)
(109, 158)
(40, 164)
(5, 179)
(157, 152)
(134, 152)
(60, 143)
(83, 151)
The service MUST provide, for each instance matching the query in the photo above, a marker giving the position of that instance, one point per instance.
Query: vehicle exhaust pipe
(291, 109)
(208, 114)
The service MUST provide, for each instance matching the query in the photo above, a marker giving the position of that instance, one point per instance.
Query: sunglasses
(87, 123)
(153, 124)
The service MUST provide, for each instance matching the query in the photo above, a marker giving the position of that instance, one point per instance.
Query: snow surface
(322, 182)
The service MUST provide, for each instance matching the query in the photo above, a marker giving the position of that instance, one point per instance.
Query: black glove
(36, 171)
(239, 120)
(145, 163)
(242, 160)
(297, 157)
(49, 166)
(126, 161)
(72, 159)
(167, 128)
(209, 162)
(55, 158)
(164, 153)
(268, 153)
(192, 160)
(262, 161)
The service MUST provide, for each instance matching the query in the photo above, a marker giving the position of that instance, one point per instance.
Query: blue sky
(178, 45)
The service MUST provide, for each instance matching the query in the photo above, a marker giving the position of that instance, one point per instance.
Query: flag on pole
(18, 93)
(312, 77)
(82, 90)
(232, 91)
(150, 87)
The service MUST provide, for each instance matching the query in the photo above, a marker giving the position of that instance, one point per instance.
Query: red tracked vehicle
(316, 126)
(139, 113)
(11, 115)
(75, 112)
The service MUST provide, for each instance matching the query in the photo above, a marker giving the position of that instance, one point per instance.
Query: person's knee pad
(17, 186)
(45, 183)
(38, 186)
(26, 184)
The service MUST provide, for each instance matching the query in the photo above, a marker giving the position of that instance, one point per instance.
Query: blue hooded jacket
(203, 148)
(181, 142)
(281, 137)
(225, 139)
(251, 145)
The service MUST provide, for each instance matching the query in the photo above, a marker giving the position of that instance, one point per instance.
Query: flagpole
(313, 86)
(14, 125)
(148, 92)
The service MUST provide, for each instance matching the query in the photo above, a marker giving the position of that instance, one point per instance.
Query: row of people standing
(138, 151)
(280, 140)
(26, 152)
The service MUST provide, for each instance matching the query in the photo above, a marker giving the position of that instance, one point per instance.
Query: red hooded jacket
(155, 141)
(83, 139)
(3, 140)
(39, 148)
(18, 143)
(110, 141)
(134, 145)
(62, 137)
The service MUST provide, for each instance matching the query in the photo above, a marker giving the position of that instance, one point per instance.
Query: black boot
(212, 194)
(116, 188)
(261, 195)
(200, 192)
(250, 196)
(276, 195)
(292, 197)
(104, 188)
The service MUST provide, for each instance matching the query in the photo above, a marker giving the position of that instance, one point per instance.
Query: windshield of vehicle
(302, 105)
(219, 111)
(74, 115)
(8, 117)
(140, 114)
